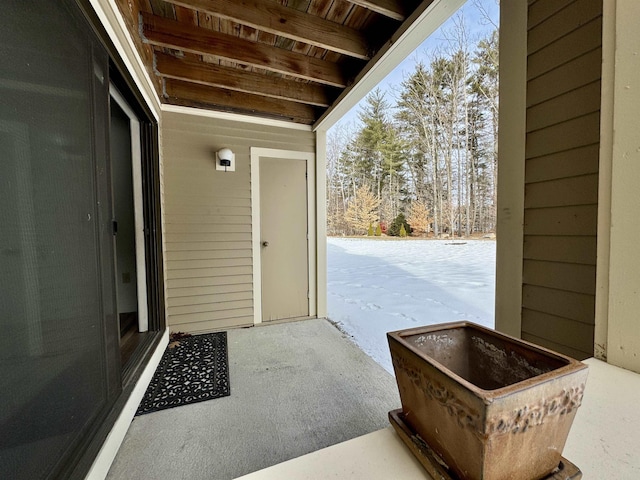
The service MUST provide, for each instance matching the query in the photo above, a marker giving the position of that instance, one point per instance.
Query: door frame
(138, 212)
(263, 154)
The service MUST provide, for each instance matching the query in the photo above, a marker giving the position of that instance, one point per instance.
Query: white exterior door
(284, 238)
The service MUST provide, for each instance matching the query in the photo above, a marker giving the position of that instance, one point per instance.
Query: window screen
(56, 297)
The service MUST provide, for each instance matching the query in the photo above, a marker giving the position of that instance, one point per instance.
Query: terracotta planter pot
(493, 407)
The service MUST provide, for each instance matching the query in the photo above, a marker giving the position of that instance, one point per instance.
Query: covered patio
(304, 394)
(295, 388)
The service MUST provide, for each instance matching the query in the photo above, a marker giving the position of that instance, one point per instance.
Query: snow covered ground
(376, 286)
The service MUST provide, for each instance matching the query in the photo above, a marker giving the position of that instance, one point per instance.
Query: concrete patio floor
(295, 388)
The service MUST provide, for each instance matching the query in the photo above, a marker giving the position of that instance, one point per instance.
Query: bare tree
(419, 217)
(338, 183)
(362, 210)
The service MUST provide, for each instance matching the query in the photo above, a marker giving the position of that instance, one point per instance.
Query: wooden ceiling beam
(271, 17)
(191, 94)
(241, 81)
(202, 41)
(389, 8)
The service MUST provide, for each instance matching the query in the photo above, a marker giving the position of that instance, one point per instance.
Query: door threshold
(266, 323)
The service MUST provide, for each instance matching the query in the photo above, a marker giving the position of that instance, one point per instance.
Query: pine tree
(397, 225)
(370, 231)
(377, 155)
(378, 231)
(403, 231)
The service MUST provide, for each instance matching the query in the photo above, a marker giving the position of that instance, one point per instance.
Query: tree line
(431, 155)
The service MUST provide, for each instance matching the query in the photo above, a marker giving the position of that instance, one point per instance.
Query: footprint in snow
(433, 300)
(370, 306)
(408, 317)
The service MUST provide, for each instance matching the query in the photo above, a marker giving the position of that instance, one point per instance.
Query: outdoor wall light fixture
(225, 160)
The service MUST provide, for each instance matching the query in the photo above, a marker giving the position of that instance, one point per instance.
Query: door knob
(265, 244)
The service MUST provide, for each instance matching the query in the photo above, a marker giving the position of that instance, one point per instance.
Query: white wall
(620, 318)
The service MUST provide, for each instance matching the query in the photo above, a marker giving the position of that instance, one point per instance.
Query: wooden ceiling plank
(301, 5)
(389, 8)
(145, 6)
(129, 11)
(271, 17)
(239, 102)
(228, 27)
(340, 10)
(332, 57)
(268, 38)
(186, 15)
(360, 18)
(302, 48)
(285, 43)
(320, 8)
(233, 79)
(160, 7)
(249, 33)
(182, 102)
(212, 23)
(167, 33)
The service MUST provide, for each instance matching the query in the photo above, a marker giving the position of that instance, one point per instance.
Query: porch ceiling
(284, 59)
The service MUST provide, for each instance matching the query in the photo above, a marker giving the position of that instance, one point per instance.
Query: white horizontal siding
(207, 218)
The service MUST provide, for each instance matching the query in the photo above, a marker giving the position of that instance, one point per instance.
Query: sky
(478, 27)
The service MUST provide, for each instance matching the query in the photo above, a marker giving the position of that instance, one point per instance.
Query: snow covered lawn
(376, 286)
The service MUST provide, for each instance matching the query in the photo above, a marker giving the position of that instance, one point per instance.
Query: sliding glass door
(59, 356)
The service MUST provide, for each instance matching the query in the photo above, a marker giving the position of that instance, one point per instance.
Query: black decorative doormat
(192, 369)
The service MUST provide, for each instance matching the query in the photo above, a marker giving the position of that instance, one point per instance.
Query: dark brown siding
(564, 59)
